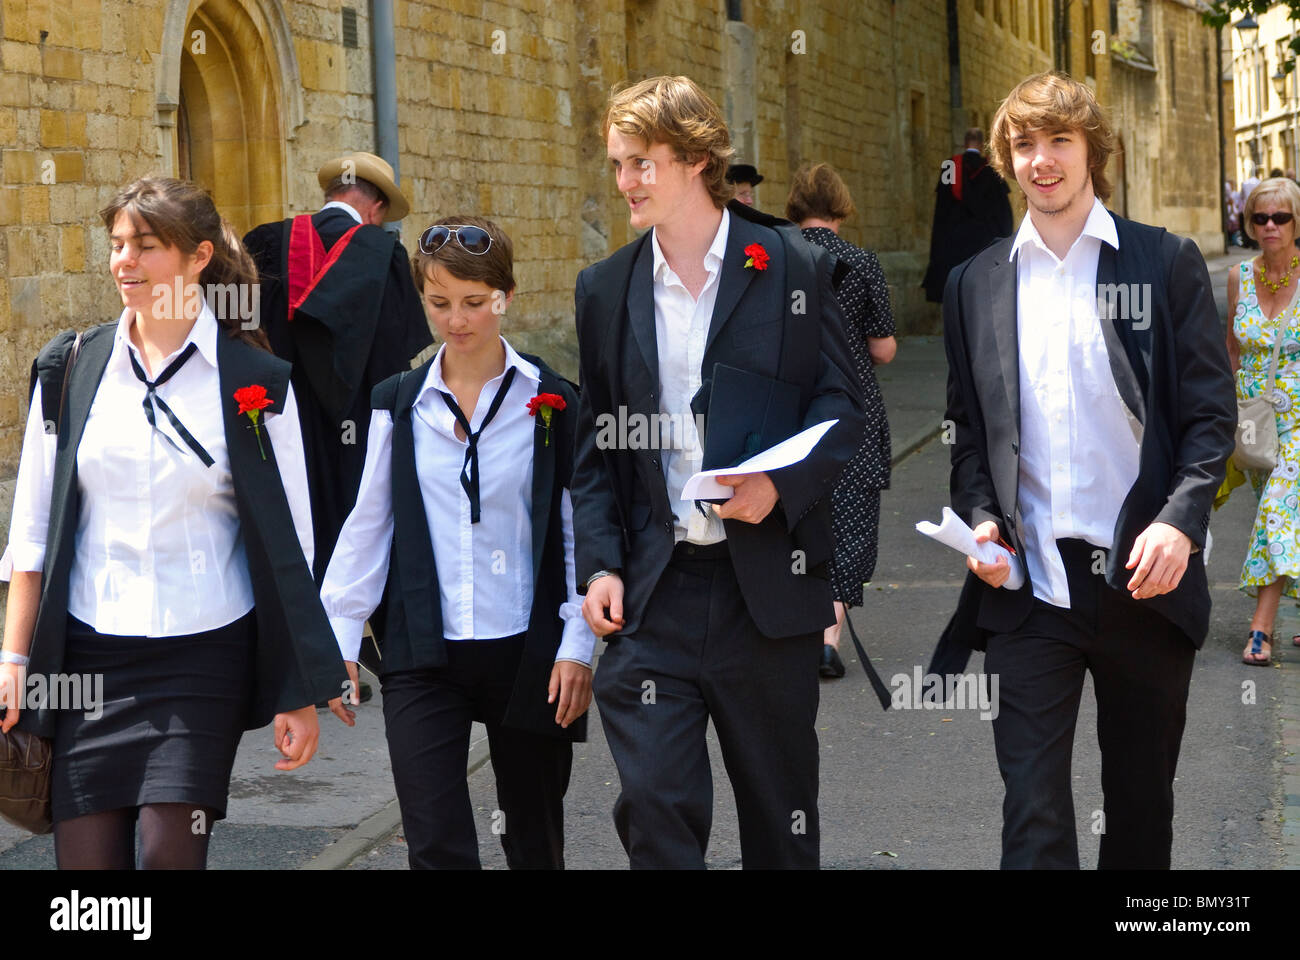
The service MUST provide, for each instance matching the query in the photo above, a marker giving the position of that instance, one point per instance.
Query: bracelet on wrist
(597, 575)
(8, 656)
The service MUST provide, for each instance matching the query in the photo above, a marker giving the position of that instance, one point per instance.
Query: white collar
(1100, 224)
(712, 258)
(347, 207)
(434, 381)
(203, 334)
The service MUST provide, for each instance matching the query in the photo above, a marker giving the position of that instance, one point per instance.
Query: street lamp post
(1248, 29)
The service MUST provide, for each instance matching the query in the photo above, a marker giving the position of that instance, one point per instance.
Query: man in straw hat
(338, 302)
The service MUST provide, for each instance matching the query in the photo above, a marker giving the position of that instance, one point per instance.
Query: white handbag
(1256, 447)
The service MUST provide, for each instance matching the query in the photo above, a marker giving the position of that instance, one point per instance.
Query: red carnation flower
(251, 398)
(252, 401)
(546, 404)
(758, 257)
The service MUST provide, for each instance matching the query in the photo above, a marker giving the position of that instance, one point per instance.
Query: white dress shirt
(1078, 448)
(485, 569)
(681, 331)
(159, 550)
(347, 208)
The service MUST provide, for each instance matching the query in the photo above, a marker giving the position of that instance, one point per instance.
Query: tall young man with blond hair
(711, 611)
(1093, 412)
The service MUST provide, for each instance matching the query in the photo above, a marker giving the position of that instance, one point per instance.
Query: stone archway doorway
(229, 92)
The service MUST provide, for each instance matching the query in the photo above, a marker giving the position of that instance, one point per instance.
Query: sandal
(1255, 654)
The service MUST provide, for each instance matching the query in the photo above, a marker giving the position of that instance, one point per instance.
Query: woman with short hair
(463, 530)
(1265, 311)
(820, 202)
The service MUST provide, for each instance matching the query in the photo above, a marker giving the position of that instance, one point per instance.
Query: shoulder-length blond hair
(675, 111)
(1054, 101)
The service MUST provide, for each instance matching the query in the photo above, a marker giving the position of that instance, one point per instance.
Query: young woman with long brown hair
(153, 544)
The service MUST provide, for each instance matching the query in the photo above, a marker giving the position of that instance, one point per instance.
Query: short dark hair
(495, 268)
(338, 186)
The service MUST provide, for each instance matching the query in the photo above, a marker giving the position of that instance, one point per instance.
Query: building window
(1171, 66)
(350, 28)
(1089, 58)
(1209, 85)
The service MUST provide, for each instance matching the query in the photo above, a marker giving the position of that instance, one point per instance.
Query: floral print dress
(1275, 538)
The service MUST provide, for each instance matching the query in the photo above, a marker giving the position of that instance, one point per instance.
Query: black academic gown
(296, 661)
(962, 228)
(360, 325)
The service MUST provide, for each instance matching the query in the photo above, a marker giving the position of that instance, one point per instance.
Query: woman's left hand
(571, 683)
(296, 735)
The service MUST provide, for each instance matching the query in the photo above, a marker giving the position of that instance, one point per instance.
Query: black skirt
(171, 714)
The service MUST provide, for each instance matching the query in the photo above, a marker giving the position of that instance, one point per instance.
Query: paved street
(904, 789)
(923, 785)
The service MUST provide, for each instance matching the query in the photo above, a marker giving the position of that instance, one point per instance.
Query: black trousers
(1141, 667)
(427, 718)
(698, 655)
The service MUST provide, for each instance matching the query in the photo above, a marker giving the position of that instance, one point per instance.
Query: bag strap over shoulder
(52, 368)
(399, 390)
(1277, 340)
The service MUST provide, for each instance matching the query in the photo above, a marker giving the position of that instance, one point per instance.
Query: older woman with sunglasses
(1265, 313)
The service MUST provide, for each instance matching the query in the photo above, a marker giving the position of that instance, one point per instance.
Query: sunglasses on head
(473, 240)
(1280, 218)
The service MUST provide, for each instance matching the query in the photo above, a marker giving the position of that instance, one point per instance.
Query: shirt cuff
(23, 557)
(577, 643)
(348, 634)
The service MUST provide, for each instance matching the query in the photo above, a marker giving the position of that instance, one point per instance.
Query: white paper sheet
(703, 486)
(953, 532)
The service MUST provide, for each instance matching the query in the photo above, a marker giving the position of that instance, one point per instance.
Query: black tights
(173, 836)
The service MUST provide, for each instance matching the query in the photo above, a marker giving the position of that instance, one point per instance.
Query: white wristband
(8, 656)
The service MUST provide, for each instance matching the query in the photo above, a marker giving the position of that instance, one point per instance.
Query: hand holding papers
(953, 532)
(704, 485)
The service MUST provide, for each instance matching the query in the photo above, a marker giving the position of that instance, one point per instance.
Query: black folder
(748, 413)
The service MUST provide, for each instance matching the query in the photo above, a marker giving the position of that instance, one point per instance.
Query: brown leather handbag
(25, 758)
(25, 780)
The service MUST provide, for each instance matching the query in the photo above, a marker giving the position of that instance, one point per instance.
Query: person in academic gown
(337, 302)
(460, 553)
(971, 210)
(161, 540)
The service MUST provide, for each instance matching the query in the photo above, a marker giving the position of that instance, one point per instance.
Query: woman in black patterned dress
(819, 202)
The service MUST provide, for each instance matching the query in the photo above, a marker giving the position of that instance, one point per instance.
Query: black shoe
(832, 667)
